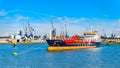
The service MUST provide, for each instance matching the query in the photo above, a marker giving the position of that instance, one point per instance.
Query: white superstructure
(93, 35)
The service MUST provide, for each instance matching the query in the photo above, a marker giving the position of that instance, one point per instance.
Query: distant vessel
(91, 40)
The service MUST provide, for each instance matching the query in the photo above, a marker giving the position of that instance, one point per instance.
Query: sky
(78, 15)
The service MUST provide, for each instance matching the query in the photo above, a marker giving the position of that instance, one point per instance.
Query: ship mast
(62, 29)
(66, 35)
(91, 28)
(97, 28)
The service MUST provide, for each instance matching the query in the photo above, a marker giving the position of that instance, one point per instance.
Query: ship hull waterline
(63, 48)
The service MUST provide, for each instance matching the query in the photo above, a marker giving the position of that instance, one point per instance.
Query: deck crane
(62, 28)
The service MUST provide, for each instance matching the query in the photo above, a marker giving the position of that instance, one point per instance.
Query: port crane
(29, 27)
(53, 32)
(30, 30)
(51, 23)
(113, 35)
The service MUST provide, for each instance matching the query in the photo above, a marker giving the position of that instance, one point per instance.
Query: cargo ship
(90, 40)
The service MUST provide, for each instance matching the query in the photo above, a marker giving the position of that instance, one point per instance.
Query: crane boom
(29, 26)
(113, 33)
(24, 28)
(51, 23)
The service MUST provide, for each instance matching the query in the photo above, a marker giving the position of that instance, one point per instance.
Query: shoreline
(46, 42)
(110, 42)
(23, 42)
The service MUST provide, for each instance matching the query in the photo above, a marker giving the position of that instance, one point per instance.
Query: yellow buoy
(15, 53)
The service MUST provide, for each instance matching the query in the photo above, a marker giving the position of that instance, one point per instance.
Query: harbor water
(37, 56)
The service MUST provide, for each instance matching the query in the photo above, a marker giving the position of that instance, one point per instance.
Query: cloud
(3, 13)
